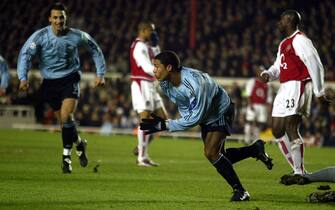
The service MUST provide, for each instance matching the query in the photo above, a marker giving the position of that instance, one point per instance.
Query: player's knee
(278, 128)
(66, 118)
(211, 154)
(277, 133)
(292, 131)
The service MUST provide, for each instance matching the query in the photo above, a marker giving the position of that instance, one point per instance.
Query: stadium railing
(11, 114)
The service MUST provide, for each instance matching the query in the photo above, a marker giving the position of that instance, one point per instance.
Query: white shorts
(293, 97)
(145, 96)
(258, 114)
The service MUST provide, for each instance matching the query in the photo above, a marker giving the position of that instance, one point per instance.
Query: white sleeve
(141, 56)
(309, 56)
(269, 96)
(274, 70)
(249, 86)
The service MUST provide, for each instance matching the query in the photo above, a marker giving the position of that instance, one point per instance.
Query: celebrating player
(57, 49)
(202, 101)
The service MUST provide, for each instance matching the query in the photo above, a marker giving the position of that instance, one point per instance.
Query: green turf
(31, 178)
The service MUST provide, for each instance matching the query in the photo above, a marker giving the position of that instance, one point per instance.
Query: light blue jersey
(58, 55)
(199, 98)
(4, 74)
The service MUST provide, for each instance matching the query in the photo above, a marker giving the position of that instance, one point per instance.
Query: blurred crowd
(233, 37)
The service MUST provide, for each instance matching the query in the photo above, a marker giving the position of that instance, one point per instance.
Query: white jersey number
(283, 64)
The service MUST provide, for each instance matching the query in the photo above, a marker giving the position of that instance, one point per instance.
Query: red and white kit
(260, 95)
(300, 71)
(143, 90)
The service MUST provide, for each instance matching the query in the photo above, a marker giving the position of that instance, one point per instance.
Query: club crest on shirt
(147, 103)
(288, 48)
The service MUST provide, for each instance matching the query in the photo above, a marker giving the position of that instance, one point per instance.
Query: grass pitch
(31, 178)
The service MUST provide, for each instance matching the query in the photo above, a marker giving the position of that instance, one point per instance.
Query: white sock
(78, 140)
(284, 145)
(147, 140)
(142, 145)
(67, 152)
(297, 147)
(247, 133)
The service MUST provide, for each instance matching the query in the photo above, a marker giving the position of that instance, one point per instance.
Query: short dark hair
(57, 6)
(144, 25)
(168, 57)
(294, 16)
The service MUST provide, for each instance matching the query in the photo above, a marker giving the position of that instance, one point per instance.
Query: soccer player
(300, 72)
(259, 96)
(202, 101)
(56, 46)
(145, 98)
(4, 76)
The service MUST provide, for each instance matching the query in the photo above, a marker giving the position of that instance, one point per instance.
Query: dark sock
(69, 135)
(66, 156)
(225, 168)
(238, 154)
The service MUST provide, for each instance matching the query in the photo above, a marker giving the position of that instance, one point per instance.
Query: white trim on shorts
(293, 97)
(145, 96)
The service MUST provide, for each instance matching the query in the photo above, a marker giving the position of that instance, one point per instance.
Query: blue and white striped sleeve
(27, 52)
(199, 103)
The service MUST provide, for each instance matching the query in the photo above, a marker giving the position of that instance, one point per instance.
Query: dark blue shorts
(56, 90)
(224, 124)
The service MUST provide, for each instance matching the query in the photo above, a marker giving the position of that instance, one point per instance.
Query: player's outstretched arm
(153, 125)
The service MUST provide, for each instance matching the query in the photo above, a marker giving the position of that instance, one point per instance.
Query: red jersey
(291, 66)
(259, 93)
(137, 72)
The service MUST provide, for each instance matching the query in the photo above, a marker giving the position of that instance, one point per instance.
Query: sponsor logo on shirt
(32, 46)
